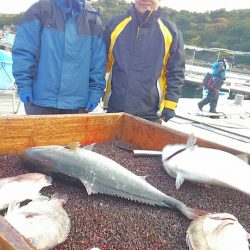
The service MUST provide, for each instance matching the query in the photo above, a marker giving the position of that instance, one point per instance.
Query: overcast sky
(16, 6)
(207, 5)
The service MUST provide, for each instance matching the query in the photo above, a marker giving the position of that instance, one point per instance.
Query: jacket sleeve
(25, 50)
(175, 72)
(106, 37)
(98, 65)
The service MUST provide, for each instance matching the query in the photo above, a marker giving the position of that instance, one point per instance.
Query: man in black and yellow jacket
(145, 61)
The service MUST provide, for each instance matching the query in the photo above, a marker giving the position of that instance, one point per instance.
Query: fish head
(38, 178)
(168, 152)
(52, 160)
(43, 158)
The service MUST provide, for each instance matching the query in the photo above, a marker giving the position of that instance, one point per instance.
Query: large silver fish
(22, 187)
(216, 232)
(100, 174)
(43, 221)
(206, 165)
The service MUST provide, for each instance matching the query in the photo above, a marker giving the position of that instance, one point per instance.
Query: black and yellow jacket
(145, 62)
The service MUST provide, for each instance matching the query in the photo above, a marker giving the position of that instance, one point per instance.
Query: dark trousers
(32, 109)
(154, 119)
(212, 99)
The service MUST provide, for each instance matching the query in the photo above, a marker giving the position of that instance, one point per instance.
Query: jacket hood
(70, 6)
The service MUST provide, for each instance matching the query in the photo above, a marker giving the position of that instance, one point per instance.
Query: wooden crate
(20, 132)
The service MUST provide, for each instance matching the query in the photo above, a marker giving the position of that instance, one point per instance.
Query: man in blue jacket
(59, 58)
(145, 61)
(214, 85)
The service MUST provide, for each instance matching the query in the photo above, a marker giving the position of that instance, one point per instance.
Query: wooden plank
(20, 132)
(147, 135)
(11, 239)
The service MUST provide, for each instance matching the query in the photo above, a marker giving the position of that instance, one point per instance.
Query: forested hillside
(223, 29)
(220, 28)
(215, 29)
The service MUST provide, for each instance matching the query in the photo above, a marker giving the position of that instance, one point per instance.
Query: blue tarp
(6, 77)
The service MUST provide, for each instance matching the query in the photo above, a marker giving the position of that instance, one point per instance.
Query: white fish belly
(212, 166)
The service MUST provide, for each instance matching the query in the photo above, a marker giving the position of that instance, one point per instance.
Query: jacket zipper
(138, 29)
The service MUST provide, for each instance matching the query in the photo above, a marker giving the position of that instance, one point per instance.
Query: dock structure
(238, 80)
(232, 85)
(230, 126)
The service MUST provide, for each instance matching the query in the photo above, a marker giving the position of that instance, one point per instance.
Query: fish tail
(193, 213)
(190, 213)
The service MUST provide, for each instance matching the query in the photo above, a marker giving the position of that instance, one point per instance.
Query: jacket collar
(153, 17)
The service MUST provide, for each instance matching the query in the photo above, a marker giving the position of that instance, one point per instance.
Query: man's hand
(26, 98)
(90, 106)
(167, 114)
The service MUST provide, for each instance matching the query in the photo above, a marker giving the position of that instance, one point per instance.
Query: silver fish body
(100, 174)
(43, 221)
(22, 187)
(217, 232)
(205, 165)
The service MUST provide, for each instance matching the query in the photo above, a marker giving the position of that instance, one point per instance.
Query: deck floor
(231, 127)
(8, 106)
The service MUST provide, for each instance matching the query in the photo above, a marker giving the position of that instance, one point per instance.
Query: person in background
(59, 58)
(214, 85)
(145, 61)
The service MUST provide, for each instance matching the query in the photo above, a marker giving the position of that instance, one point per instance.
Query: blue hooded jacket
(59, 55)
(219, 70)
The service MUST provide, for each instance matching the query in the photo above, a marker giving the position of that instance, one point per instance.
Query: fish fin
(62, 197)
(191, 141)
(73, 145)
(32, 214)
(243, 157)
(41, 197)
(193, 213)
(88, 187)
(144, 177)
(49, 180)
(13, 206)
(89, 146)
(218, 229)
(12, 179)
(179, 181)
(104, 189)
(248, 237)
